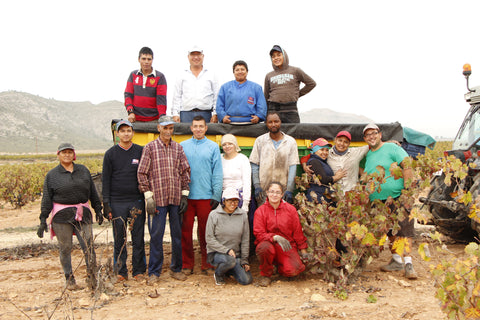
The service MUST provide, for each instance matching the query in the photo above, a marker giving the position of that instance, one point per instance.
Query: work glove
(42, 228)
(107, 211)
(306, 257)
(260, 196)
(213, 203)
(183, 205)
(99, 217)
(284, 243)
(288, 196)
(150, 203)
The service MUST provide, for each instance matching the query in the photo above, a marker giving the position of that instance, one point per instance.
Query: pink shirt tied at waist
(58, 206)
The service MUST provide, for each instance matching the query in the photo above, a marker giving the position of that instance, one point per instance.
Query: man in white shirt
(274, 157)
(196, 91)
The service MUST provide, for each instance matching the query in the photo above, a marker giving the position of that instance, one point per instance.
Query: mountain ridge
(37, 125)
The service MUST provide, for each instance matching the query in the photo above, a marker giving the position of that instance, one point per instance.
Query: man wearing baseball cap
(123, 202)
(196, 90)
(282, 86)
(163, 177)
(341, 157)
(385, 154)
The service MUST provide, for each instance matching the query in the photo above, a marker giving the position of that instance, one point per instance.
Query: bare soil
(32, 286)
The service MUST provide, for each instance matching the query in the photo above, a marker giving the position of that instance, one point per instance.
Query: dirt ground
(31, 286)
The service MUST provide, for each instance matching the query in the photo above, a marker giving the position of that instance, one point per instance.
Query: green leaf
(424, 251)
(472, 248)
(371, 299)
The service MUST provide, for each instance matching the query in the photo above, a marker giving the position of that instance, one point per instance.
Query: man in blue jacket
(206, 185)
(240, 100)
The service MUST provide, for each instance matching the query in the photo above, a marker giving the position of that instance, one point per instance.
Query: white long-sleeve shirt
(237, 174)
(350, 161)
(195, 92)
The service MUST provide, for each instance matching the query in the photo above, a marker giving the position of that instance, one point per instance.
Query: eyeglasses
(278, 193)
(232, 200)
(371, 134)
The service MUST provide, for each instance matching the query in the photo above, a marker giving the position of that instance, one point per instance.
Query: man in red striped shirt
(146, 91)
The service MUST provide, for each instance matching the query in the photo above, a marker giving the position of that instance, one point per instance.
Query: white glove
(150, 202)
(284, 243)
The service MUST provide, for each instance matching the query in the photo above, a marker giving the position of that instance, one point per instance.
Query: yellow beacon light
(467, 69)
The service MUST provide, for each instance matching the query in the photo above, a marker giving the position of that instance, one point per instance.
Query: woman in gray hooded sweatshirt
(227, 235)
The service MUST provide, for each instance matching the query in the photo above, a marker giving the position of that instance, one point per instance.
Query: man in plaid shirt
(163, 177)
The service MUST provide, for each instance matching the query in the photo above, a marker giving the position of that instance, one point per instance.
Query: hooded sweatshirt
(282, 85)
(228, 231)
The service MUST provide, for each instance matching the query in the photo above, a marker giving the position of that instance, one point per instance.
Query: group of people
(184, 181)
(341, 164)
(197, 91)
(193, 179)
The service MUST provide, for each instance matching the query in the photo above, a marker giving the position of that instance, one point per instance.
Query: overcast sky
(387, 60)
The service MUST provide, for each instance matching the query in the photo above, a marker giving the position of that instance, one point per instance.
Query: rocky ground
(31, 286)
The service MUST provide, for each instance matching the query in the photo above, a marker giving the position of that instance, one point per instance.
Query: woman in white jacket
(237, 172)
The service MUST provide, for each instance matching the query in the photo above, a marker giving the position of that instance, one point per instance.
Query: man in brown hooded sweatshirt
(282, 86)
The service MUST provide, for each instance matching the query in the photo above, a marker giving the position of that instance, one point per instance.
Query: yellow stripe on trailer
(303, 133)
(142, 138)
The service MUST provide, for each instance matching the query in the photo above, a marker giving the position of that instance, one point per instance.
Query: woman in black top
(66, 192)
(320, 167)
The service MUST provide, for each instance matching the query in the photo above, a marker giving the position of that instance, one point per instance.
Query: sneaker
(152, 279)
(187, 271)
(178, 275)
(121, 278)
(208, 272)
(410, 272)
(264, 281)
(392, 266)
(219, 281)
(139, 277)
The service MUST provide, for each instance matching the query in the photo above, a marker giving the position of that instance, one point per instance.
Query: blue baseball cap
(121, 123)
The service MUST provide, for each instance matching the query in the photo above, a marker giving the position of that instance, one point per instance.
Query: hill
(329, 116)
(33, 124)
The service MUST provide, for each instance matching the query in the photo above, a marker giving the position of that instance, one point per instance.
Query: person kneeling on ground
(279, 236)
(227, 235)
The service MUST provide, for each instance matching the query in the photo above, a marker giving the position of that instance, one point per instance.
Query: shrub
(23, 183)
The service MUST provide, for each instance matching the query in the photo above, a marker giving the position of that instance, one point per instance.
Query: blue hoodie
(242, 101)
(206, 169)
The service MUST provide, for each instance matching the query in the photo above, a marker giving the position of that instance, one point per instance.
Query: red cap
(321, 142)
(345, 134)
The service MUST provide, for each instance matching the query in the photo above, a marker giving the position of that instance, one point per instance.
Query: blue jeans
(156, 227)
(187, 116)
(226, 265)
(121, 213)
